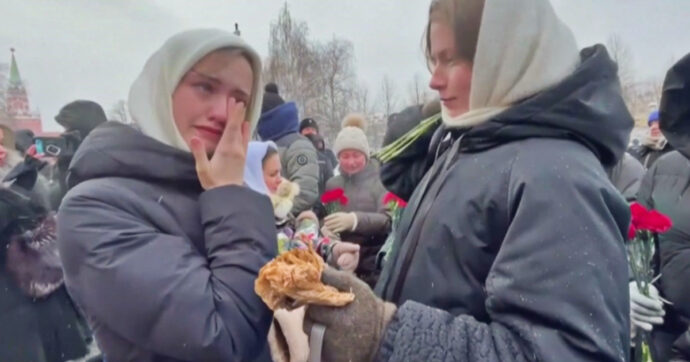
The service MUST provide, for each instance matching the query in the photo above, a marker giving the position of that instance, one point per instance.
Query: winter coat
(626, 176)
(512, 245)
(666, 188)
(297, 154)
(39, 321)
(331, 158)
(648, 155)
(162, 269)
(365, 193)
(327, 162)
(402, 176)
(326, 167)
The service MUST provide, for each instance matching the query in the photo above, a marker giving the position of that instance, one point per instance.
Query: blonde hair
(464, 17)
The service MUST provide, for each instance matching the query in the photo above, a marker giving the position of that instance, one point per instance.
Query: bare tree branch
(388, 98)
(320, 78)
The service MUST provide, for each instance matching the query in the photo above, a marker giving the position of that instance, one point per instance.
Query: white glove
(346, 255)
(341, 221)
(645, 312)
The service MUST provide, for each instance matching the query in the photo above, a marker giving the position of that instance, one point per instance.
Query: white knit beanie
(352, 136)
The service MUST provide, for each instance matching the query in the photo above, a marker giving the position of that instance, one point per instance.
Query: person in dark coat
(39, 321)
(308, 126)
(326, 165)
(654, 145)
(79, 118)
(160, 246)
(666, 188)
(402, 176)
(512, 246)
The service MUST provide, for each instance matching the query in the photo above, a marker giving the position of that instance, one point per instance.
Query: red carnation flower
(631, 231)
(391, 197)
(334, 195)
(650, 220)
(343, 200)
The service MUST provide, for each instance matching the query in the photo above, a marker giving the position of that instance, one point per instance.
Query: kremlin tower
(17, 112)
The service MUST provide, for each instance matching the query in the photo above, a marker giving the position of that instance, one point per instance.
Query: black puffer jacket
(666, 188)
(512, 246)
(163, 270)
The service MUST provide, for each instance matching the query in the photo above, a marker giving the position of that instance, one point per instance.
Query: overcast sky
(93, 49)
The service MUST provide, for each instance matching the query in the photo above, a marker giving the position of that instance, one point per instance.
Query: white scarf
(523, 48)
(150, 97)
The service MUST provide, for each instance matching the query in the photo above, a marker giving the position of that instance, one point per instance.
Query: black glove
(354, 332)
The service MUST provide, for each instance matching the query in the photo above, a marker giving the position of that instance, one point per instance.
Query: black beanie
(308, 122)
(272, 98)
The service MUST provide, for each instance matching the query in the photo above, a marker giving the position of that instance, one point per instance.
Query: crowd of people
(147, 239)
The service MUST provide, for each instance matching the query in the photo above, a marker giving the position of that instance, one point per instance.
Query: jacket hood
(253, 167)
(674, 112)
(118, 150)
(586, 106)
(279, 121)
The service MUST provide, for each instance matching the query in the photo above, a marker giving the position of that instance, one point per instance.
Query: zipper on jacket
(453, 154)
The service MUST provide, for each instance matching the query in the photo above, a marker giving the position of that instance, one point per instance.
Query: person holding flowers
(512, 245)
(666, 188)
(354, 199)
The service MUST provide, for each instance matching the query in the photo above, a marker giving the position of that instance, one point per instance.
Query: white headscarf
(523, 48)
(253, 167)
(150, 97)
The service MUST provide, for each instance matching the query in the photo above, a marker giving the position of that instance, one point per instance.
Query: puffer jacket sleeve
(557, 290)
(402, 174)
(302, 167)
(644, 193)
(157, 290)
(627, 175)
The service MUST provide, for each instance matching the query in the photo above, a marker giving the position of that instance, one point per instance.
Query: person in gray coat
(364, 220)
(160, 246)
(512, 245)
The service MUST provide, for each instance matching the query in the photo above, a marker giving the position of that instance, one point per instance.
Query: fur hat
(352, 136)
(283, 199)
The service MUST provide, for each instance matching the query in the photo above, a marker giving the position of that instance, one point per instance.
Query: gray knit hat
(352, 136)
